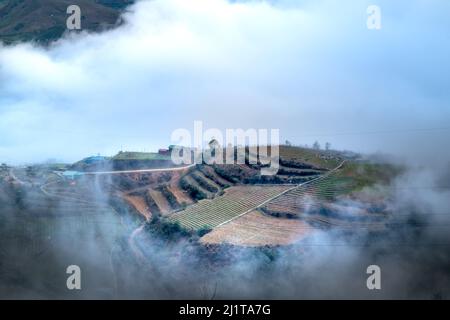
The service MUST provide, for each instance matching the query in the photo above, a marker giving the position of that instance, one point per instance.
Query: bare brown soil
(139, 204)
(182, 196)
(257, 229)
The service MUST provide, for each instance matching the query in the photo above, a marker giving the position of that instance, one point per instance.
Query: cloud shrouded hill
(310, 68)
(44, 20)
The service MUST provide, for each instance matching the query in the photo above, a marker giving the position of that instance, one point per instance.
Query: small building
(164, 152)
(179, 149)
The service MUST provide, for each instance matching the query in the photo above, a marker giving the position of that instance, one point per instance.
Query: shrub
(167, 230)
(193, 191)
(170, 197)
(295, 164)
(151, 204)
(204, 184)
(203, 230)
(208, 174)
(226, 174)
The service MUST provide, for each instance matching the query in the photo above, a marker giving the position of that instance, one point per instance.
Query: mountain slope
(45, 20)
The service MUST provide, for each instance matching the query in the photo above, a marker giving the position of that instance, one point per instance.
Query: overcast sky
(309, 68)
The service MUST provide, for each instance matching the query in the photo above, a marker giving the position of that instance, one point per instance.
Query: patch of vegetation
(220, 209)
(124, 209)
(365, 174)
(173, 202)
(140, 156)
(204, 230)
(210, 176)
(203, 183)
(270, 252)
(294, 164)
(154, 209)
(44, 21)
(123, 182)
(193, 191)
(117, 4)
(226, 173)
(315, 157)
(296, 172)
(167, 230)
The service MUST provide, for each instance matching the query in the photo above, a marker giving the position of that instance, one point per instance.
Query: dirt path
(140, 170)
(15, 178)
(134, 246)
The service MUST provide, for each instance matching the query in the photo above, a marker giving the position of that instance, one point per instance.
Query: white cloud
(304, 67)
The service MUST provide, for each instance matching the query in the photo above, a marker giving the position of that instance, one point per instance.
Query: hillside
(214, 209)
(45, 20)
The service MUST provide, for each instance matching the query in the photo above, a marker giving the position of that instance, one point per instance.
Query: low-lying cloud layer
(310, 68)
(117, 262)
(412, 253)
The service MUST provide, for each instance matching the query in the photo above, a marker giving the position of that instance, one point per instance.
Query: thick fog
(412, 253)
(309, 68)
(122, 258)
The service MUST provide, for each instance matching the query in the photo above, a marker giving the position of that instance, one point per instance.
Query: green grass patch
(317, 158)
(140, 156)
(364, 174)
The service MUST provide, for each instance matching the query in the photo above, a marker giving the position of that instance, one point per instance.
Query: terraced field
(257, 229)
(310, 195)
(174, 191)
(312, 204)
(139, 204)
(236, 201)
(315, 203)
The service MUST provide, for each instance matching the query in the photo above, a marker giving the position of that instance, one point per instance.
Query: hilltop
(208, 210)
